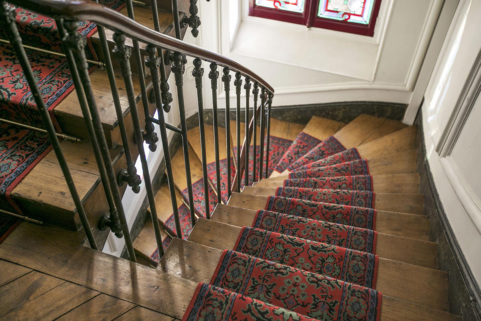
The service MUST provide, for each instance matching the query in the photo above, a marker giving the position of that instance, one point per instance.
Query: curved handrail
(83, 10)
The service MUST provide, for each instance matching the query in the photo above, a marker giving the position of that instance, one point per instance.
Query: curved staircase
(312, 196)
(337, 231)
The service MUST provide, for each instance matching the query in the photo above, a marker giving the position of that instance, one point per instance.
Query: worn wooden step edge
(391, 202)
(390, 183)
(197, 263)
(56, 207)
(401, 280)
(254, 202)
(57, 252)
(399, 248)
(405, 225)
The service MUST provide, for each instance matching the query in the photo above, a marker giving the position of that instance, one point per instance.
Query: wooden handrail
(83, 10)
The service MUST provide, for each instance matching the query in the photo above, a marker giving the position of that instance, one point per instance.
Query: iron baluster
(193, 21)
(175, 12)
(238, 85)
(8, 21)
(213, 76)
(153, 63)
(166, 95)
(123, 54)
(77, 44)
(263, 123)
(149, 136)
(254, 137)
(247, 87)
(198, 72)
(178, 68)
(112, 222)
(226, 78)
(268, 118)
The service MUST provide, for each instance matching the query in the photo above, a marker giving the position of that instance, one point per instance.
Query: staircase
(328, 224)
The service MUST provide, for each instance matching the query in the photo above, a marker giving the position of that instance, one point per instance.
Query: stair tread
(391, 202)
(55, 202)
(143, 15)
(406, 225)
(194, 141)
(390, 246)
(322, 128)
(386, 183)
(197, 263)
(358, 130)
(145, 243)
(178, 169)
(404, 139)
(424, 285)
(388, 127)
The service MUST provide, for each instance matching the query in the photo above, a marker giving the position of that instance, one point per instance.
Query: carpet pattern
(337, 262)
(213, 303)
(316, 296)
(301, 145)
(334, 213)
(319, 231)
(346, 156)
(41, 31)
(186, 225)
(278, 147)
(16, 100)
(327, 148)
(199, 198)
(358, 183)
(20, 151)
(211, 173)
(359, 167)
(341, 197)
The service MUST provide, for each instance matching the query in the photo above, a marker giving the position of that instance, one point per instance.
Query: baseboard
(340, 111)
(464, 291)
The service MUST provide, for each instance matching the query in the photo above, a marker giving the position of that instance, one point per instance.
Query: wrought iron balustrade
(162, 51)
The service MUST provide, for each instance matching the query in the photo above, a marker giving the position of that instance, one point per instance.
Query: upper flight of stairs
(43, 193)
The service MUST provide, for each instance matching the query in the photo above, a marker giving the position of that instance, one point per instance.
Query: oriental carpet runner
(346, 156)
(301, 145)
(341, 197)
(314, 295)
(340, 214)
(211, 303)
(358, 167)
(334, 261)
(358, 183)
(327, 148)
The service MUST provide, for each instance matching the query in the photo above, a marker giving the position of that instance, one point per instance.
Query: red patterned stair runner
(213, 303)
(330, 146)
(346, 156)
(341, 197)
(358, 183)
(340, 214)
(41, 32)
(358, 167)
(199, 197)
(319, 231)
(337, 262)
(307, 293)
(301, 145)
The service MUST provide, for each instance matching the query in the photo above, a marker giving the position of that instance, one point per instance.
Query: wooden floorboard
(57, 252)
(101, 307)
(398, 141)
(142, 314)
(10, 272)
(194, 141)
(322, 128)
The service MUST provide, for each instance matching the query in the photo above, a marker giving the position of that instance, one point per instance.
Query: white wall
(308, 66)
(451, 114)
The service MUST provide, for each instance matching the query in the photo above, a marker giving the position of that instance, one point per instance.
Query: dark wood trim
(464, 291)
(82, 10)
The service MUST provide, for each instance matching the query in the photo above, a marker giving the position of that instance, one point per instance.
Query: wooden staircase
(43, 194)
(413, 287)
(48, 274)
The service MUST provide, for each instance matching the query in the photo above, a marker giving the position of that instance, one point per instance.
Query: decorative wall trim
(464, 291)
